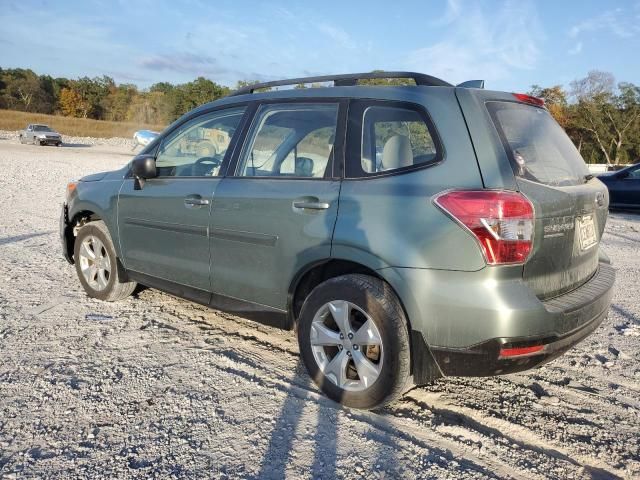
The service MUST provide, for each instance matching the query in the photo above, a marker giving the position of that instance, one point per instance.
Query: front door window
(198, 148)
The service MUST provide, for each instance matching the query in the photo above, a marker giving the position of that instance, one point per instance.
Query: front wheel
(96, 264)
(354, 341)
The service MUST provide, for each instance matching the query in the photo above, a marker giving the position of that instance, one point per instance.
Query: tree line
(602, 117)
(101, 98)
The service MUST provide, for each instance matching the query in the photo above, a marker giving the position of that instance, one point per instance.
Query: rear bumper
(575, 314)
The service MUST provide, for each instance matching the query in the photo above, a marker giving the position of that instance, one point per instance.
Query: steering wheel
(205, 166)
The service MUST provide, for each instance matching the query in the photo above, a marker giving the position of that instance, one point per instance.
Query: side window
(290, 140)
(198, 147)
(634, 174)
(392, 138)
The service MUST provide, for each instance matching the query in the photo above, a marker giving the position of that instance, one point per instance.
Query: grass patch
(79, 127)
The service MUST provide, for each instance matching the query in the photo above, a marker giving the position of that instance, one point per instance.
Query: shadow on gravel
(20, 238)
(629, 316)
(76, 145)
(276, 459)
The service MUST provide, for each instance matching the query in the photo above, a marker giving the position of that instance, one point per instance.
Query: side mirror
(143, 168)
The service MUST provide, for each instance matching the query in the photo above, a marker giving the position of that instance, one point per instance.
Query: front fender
(99, 200)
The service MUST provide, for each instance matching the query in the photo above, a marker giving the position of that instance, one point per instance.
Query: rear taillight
(501, 221)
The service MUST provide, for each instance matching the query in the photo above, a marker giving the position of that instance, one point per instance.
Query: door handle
(195, 201)
(311, 205)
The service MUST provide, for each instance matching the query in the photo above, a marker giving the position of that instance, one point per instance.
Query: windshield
(41, 128)
(537, 146)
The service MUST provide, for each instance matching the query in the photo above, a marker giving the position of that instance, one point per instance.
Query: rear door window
(538, 148)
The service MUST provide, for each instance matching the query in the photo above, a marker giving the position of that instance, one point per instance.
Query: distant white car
(144, 137)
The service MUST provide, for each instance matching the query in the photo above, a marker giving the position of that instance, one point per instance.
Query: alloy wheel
(346, 345)
(95, 264)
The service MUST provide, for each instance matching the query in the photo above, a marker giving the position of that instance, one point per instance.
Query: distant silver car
(40, 135)
(144, 137)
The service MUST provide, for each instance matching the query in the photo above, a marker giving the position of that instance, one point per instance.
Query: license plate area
(586, 232)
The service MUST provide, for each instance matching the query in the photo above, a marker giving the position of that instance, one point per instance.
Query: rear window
(538, 148)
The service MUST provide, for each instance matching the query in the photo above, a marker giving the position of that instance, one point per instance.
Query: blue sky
(510, 44)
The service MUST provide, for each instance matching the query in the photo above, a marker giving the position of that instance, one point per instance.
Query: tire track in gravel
(254, 355)
(262, 363)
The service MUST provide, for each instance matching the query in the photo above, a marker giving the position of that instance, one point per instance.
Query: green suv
(405, 232)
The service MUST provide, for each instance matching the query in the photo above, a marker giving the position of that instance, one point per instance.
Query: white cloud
(451, 13)
(576, 49)
(617, 22)
(338, 35)
(479, 44)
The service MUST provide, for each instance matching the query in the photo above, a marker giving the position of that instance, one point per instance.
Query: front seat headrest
(304, 167)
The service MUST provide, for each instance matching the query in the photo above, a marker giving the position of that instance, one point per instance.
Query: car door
(164, 225)
(627, 188)
(277, 212)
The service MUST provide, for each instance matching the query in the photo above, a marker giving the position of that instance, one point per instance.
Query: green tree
(608, 115)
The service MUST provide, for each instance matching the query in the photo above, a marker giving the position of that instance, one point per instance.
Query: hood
(94, 177)
(48, 134)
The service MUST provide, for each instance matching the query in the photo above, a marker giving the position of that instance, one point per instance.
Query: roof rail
(346, 80)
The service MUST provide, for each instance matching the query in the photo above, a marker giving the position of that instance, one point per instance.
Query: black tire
(376, 298)
(116, 289)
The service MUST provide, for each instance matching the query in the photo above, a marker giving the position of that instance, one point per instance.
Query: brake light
(521, 351)
(523, 97)
(501, 221)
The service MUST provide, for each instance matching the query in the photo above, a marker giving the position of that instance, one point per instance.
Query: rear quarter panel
(391, 220)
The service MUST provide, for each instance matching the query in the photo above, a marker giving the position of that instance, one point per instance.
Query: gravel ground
(158, 386)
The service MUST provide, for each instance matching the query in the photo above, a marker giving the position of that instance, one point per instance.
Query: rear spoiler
(471, 84)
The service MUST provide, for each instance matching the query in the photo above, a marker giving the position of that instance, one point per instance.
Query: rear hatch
(570, 205)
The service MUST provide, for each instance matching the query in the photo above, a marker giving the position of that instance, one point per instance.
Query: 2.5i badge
(586, 231)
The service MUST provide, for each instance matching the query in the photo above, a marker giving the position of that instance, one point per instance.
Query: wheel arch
(75, 221)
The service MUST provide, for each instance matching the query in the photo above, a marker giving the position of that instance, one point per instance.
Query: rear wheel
(96, 264)
(354, 341)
